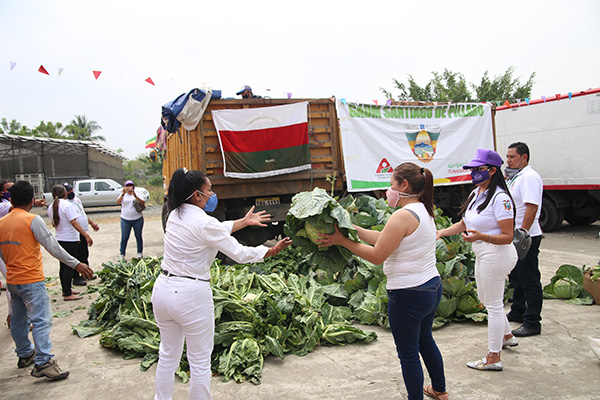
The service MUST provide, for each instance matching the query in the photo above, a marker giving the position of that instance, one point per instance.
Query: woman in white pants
(182, 296)
(488, 219)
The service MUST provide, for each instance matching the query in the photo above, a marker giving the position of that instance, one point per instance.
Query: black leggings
(66, 272)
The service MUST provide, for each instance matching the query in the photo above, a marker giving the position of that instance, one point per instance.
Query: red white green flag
(266, 141)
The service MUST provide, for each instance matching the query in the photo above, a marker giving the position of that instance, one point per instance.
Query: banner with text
(442, 138)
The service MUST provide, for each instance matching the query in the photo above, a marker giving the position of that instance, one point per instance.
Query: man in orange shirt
(21, 234)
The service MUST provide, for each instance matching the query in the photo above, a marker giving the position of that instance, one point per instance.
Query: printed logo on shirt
(507, 205)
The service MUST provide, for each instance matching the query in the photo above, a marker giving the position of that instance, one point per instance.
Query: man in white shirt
(526, 188)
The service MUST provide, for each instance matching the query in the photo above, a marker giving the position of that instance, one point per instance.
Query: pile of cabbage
(567, 284)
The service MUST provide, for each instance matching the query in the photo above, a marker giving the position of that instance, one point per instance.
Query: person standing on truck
(68, 231)
(21, 234)
(526, 188)
(246, 92)
(488, 222)
(83, 251)
(131, 218)
(406, 247)
(182, 296)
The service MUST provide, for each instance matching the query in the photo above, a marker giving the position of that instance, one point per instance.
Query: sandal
(72, 297)
(428, 391)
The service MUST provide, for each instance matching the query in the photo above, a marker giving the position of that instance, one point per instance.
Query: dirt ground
(558, 364)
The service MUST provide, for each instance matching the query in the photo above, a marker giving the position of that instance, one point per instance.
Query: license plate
(267, 201)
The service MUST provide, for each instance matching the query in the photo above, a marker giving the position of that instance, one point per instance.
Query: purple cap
(484, 157)
(129, 182)
(245, 87)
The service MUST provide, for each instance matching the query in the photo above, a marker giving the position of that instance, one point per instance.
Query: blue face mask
(211, 203)
(6, 195)
(480, 176)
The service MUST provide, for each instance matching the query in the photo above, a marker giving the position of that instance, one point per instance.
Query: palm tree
(82, 129)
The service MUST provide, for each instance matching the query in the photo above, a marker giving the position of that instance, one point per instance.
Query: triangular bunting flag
(343, 101)
(97, 74)
(506, 103)
(558, 97)
(149, 80)
(376, 102)
(43, 70)
(60, 70)
(12, 65)
(570, 95)
(388, 102)
(289, 95)
(527, 100)
(544, 98)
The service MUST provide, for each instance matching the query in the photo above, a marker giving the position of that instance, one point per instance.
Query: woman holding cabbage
(406, 247)
(488, 223)
(182, 296)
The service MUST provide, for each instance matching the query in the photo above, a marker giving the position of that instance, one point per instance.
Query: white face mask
(393, 196)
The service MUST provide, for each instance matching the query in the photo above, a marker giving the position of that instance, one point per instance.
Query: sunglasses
(481, 168)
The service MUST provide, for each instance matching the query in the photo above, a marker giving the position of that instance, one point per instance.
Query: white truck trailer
(563, 135)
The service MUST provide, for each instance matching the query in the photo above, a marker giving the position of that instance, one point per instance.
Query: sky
(311, 49)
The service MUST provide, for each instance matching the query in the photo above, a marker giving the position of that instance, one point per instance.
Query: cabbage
(447, 307)
(312, 230)
(468, 304)
(566, 288)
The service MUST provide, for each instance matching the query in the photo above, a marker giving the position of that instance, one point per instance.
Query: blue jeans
(137, 226)
(411, 312)
(528, 296)
(31, 305)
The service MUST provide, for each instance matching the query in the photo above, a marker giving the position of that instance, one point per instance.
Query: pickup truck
(99, 192)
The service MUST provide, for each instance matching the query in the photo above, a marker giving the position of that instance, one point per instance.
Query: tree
(49, 130)
(450, 86)
(13, 128)
(82, 129)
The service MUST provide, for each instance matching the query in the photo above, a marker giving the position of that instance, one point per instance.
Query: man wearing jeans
(21, 234)
(526, 189)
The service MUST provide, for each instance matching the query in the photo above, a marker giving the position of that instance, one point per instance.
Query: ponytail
(58, 192)
(183, 184)
(420, 180)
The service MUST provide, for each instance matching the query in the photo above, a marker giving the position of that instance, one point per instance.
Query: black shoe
(513, 318)
(524, 331)
(79, 282)
(26, 361)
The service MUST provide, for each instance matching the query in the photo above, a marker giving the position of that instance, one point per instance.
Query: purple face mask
(480, 176)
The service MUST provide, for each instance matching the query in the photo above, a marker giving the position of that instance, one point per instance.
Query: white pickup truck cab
(100, 192)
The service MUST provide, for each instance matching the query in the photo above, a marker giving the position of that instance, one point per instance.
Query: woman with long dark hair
(488, 220)
(64, 219)
(406, 247)
(182, 296)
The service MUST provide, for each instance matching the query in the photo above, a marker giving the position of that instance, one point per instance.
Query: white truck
(563, 135)
(99, 192)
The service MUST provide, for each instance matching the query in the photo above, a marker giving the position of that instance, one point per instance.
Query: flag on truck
(265, 141)
(442, 138)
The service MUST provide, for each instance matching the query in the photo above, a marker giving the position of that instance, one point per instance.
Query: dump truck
(563, 135)
(199, 149)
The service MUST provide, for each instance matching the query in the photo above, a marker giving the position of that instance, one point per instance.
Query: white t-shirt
(4, 207)
(128, 211)
(67, 213)
(81, 216)
(193, 238)
(413, 262)
(486, 222)
(527, 187)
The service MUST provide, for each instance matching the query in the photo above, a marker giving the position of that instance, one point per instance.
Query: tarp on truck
(441, 138)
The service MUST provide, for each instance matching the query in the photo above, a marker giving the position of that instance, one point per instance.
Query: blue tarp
(171, 110)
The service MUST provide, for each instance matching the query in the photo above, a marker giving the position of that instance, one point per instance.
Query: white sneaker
(511, 342)
(140, 255)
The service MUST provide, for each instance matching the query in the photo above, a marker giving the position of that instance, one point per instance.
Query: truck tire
(550, 217)
(581, 221)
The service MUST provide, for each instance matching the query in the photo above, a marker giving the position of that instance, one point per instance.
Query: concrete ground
(558, 364)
